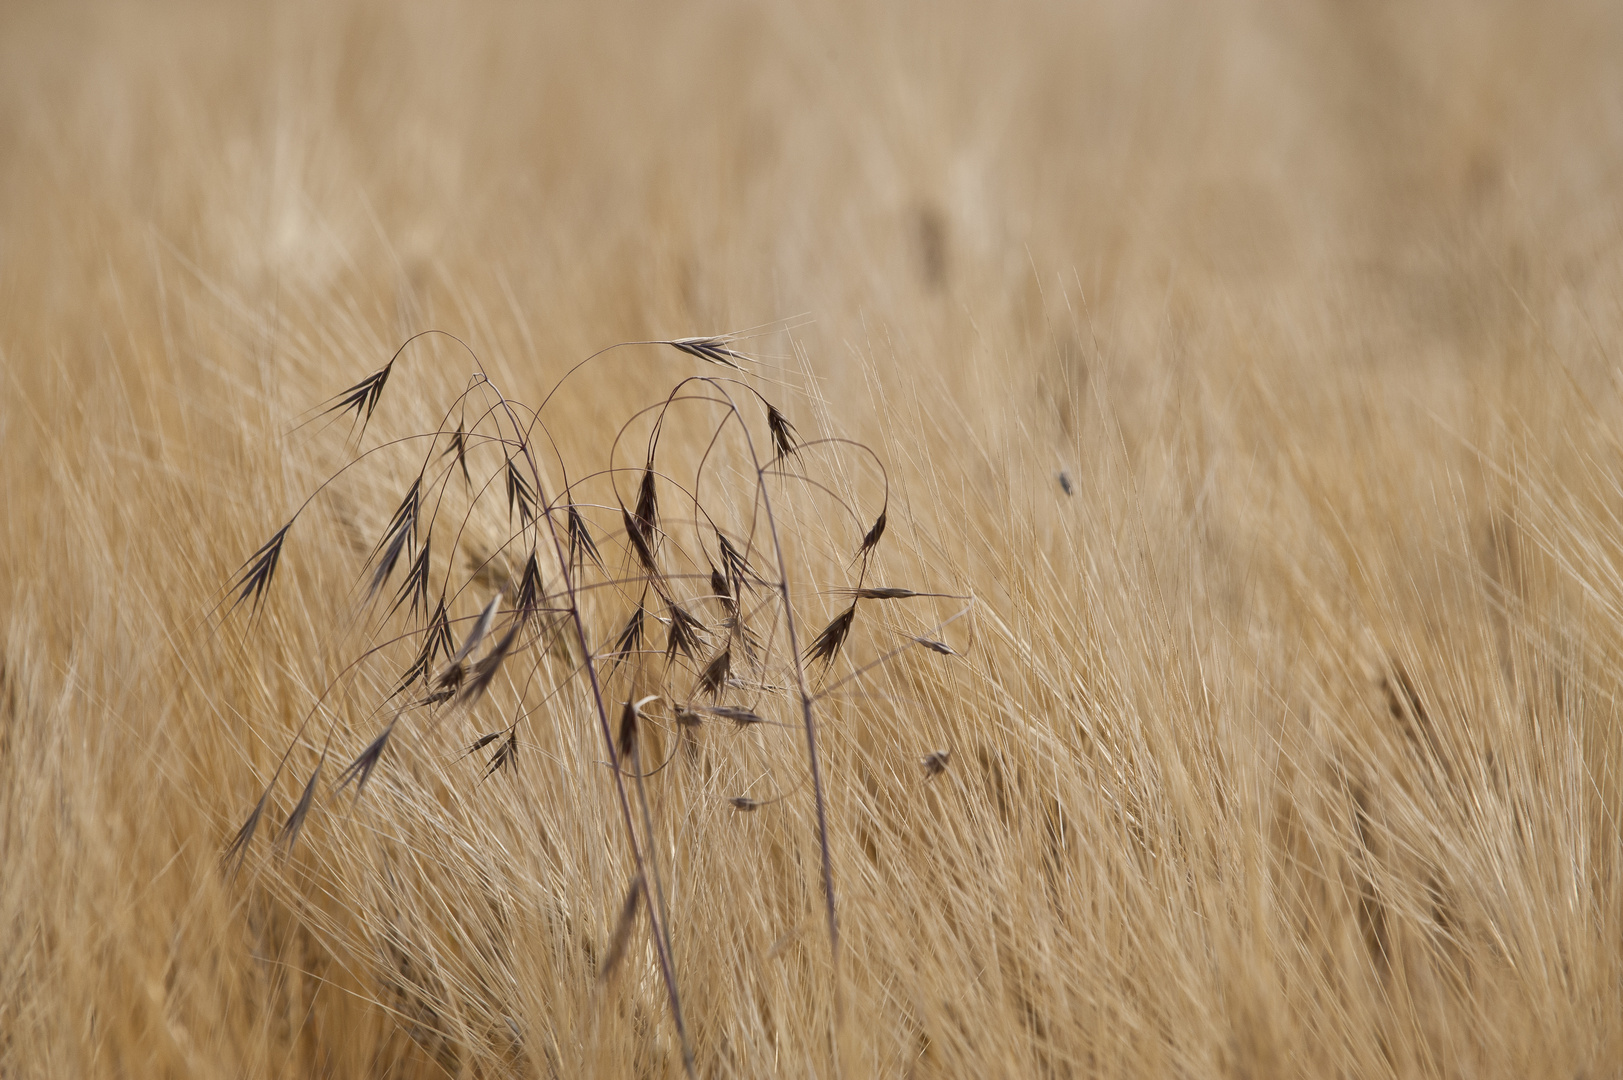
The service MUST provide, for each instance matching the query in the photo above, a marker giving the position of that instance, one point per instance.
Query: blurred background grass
(1315, 305)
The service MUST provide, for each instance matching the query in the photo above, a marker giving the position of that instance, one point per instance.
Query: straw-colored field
(1253, 367)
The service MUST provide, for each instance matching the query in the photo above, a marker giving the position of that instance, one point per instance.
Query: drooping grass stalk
(644, 868)
(456, 677)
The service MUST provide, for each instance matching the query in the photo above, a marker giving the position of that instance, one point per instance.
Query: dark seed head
(481, 742)
(505, 757)
(783, 433)
(360, 770)
(715, 350)
(737, 567)
(520, 495)
(237, 850)
(715, 673)
(529, 589)
(484, 672)
(873, 536)
(295, 821)
(362, 398)
(628, 731)
(391, 558)
(630, 639)
(684, 635)
(255, 576)
(639, 544)
(647, 515)
(459, 447)
(404, 518)
(828, 643)
(719, 589)
(415, 588)
(741, 717)
(580, 540)
(450, 680)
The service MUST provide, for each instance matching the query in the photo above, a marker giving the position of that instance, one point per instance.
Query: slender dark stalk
(723, 664)
(662, 946)
(653, 862)
(808, 718)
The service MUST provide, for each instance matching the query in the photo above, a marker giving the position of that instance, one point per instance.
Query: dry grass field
(1251, 368)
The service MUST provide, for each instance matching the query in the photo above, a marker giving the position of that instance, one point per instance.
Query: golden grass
(1284, 739)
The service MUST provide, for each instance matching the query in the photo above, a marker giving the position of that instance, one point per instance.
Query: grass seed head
(639, 543)
(360, 770)
(255, 576)
(783, 432)
(715, 673)
(827, 644)
(869, 541)
(484, 672)
(362, 398)
(630, 639)
(684, 635)
(295, 821)
(520, 494)
(646, 517)
(580, 541)
(505, 757)
(480, 743)
(713, 349)
(720, 590)
(741, 717)
(237, 850)
(529, 589)
(627, 740)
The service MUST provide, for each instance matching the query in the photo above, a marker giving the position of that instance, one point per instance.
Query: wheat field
(1245, 380)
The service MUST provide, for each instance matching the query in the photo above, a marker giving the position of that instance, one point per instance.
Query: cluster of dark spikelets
(717, 593)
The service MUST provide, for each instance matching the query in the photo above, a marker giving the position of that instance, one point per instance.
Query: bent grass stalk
(700, 661)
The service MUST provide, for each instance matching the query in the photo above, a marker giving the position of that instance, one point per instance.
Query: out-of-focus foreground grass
(1286, 740)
